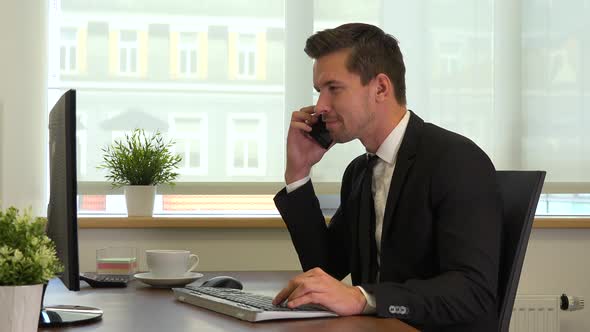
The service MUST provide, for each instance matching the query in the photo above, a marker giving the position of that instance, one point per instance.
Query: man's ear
(383, 86)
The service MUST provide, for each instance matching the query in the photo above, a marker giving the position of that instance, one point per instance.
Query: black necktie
(366, 234)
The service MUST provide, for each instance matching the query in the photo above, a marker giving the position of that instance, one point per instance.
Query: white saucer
(180, 281)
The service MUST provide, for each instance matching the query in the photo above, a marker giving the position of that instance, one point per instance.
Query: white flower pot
(20, 307)
(140, 200)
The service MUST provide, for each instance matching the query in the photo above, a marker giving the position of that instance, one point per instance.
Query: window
(128, 49)
(128, 52)
(246, 56)
(68, 62)
(247, 144)
(189, 132)
(188, 51)
(223, 79)
(247, 53)
(187, 54)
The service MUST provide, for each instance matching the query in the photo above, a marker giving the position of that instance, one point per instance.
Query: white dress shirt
(382, 173)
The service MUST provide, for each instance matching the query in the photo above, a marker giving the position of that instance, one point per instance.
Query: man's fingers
(308, 109)
(310, 285)
(283, 294)
(297, 281)
(315, 298)
(300, 125)
(300, 116)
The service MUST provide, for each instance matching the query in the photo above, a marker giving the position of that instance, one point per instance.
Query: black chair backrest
(520, 191)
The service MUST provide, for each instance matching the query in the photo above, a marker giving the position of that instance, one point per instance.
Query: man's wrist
(291, 176)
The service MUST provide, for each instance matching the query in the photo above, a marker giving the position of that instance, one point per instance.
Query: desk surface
(140, 307)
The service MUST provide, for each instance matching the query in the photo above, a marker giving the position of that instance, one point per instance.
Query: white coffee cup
(170, 263)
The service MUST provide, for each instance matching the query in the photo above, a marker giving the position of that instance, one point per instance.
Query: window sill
(186, 221)
(261, 222)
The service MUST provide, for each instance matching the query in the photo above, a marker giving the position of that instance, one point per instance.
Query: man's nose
(322, 106)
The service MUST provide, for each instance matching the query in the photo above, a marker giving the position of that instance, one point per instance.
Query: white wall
(23, 77)
(218, 249)
(557, 262)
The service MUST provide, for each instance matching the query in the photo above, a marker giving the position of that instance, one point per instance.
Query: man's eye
(334, 88)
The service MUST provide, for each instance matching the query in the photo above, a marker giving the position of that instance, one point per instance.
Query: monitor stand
(64, 315)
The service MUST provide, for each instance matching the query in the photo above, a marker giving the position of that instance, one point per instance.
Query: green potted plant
(139, 163)
(27, 261)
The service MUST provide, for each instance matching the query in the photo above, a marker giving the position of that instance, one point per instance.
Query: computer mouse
(223, 282)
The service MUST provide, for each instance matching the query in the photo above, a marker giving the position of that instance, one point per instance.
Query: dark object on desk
(223, 282)
(520, 191)
(104, 280)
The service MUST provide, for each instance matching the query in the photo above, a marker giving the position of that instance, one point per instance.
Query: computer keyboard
(245, 305)
(254, 300)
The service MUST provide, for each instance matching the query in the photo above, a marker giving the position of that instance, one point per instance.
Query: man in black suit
(418, 227)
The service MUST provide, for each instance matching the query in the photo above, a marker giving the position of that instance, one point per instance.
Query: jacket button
(403, 310)
(393, 309)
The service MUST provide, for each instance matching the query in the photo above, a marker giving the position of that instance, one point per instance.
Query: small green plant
(140, 160)
(27, 255)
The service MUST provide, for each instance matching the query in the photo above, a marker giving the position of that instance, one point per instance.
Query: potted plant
(139, 163)
(27, 261)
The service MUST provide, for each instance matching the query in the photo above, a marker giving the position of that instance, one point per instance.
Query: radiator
(535, 313)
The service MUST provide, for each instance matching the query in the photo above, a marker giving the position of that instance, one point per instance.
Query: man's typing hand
(317, 287)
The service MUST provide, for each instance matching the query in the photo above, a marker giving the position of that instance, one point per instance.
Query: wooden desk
(140, 307)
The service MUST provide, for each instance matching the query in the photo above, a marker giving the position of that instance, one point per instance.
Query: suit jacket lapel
(405, 160)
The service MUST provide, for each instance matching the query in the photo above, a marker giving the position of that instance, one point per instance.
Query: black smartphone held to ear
(320, 134)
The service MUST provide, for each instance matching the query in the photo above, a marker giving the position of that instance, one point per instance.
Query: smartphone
(320, 134)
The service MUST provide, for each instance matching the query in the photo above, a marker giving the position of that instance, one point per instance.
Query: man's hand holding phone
(303, 150)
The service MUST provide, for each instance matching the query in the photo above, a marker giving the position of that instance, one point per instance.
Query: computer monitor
(62, 219)
(62, 222)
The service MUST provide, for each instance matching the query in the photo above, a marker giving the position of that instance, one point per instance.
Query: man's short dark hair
(372, 52)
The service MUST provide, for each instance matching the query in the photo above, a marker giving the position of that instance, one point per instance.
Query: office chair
(520, 191)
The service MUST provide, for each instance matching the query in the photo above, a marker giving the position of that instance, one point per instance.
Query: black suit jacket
(440, 244)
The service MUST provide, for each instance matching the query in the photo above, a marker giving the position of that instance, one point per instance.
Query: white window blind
(512, 76)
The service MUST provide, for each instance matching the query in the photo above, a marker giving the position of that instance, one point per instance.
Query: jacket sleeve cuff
(297, 184)
(371, 306)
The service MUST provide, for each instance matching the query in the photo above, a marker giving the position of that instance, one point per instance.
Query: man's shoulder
(356, 164)
(440, 140)
(444, 136)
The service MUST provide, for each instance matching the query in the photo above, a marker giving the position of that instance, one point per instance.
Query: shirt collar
(388, 149)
